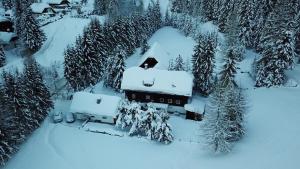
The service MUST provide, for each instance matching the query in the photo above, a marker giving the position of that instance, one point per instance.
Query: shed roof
(158, 81)
(84, 102)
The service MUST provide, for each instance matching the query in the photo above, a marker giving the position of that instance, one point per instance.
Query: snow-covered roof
(157, 52)
(158, 81)
(57, 2)
(2, 19)
(5, 37)
(196, 105)
(96, 104)
(39, 7)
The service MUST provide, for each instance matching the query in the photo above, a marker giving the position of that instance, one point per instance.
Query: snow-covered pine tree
(229, 69)
(203, 64)
(181, 6)
(116, 68)
(13, 107)
(235, 108)
(2, 56)
(34, 86)
(148, 122)
(179, 64)
(168, 19)
(210, 9)
(94, 61)
(98, 36)
(7, 4)
(297, 36)
(138, 25)
(32, 36)
(144, 47)
(216, 126)
(225, 11)
(154, 17)
(6, 149)
(245, 19)
(100, 7)
(277, 47)
(163, 131)
(113, 10)
(127, 114)
(72, 67)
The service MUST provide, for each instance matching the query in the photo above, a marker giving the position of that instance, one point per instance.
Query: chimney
(146, 65)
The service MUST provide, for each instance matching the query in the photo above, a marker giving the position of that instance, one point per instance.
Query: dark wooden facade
(6, 26)
(156, 98)
(193, 116)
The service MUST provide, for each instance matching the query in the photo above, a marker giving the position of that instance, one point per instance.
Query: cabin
(95, 107)
(6, 25)
(58, 4)
(39, 9)
(158, 86)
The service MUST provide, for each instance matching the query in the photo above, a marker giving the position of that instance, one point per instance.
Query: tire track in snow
(49, 140)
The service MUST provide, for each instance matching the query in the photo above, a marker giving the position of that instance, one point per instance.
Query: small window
(162, 100)
(133, 96)
(170, 101)
(177, 101)
(148, 97)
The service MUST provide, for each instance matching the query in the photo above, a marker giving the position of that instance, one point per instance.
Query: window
(133, 96)
(177, 101)
(104, 117)
(148, 97)
(170, 101)
(162, 100)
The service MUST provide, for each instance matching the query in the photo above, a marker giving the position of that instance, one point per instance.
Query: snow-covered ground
(272, 139)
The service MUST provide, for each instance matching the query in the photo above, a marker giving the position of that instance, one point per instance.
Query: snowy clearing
(272, 139)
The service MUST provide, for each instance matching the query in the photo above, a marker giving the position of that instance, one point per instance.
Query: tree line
(269, 27)
(24, 104)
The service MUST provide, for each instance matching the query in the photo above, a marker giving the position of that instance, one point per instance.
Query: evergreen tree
(72, 68)
(179, 64)
(7, 4)
(100, 7)
(225, 11)
(235, 109)
(277, 47)
(2, 56)
(34, 86)
(116, 68)
(163, 131)
(145, 47)
(113, 10)
(297, 36)
(229, 69)
(216, 126)
(203, 63)
(13, 99)
(245, 19)
(32, 37)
